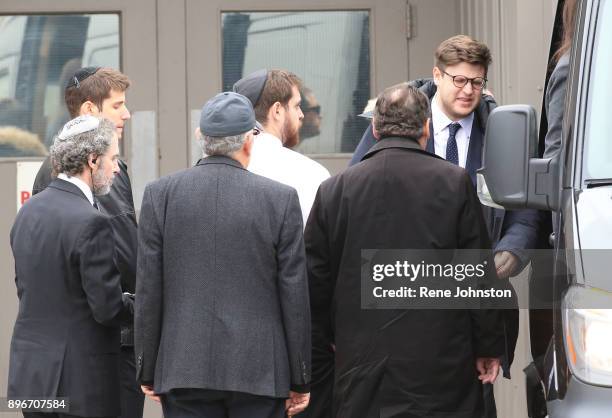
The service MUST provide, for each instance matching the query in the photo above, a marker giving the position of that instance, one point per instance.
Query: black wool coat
(118, 205)
(396, 362)
(66, 337)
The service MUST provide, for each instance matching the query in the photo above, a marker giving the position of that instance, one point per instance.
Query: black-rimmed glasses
(478, 83)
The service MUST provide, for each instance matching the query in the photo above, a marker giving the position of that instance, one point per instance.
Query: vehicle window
(38, 53)
(329, 51)
(598, 141)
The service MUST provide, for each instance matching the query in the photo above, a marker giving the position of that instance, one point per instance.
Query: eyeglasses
(81, 75)
(478, 83)
(257, 129)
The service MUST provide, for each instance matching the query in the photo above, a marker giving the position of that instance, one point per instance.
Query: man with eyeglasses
(100, 92)
(311, 124)
(460, 106)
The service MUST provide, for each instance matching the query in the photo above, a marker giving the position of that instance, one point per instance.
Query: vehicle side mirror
(511, 176)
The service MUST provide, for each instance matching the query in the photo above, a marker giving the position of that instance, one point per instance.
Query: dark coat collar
(219, 159)
(410, 144)
(66, 186)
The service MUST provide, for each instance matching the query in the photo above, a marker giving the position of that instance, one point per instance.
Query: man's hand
(296, 403)
(488, 368)
(506, 264)
(148, 390)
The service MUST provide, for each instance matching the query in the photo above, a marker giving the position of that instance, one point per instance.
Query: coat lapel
(474, 157)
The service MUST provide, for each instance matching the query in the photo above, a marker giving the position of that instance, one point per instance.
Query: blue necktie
(452, 153)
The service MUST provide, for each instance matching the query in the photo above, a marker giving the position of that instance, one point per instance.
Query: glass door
(342, 54)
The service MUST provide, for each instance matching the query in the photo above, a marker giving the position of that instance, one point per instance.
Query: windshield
(598, 140)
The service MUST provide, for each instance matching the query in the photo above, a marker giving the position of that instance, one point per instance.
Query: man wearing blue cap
(222, 320)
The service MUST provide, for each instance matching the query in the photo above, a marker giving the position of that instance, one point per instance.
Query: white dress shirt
(270, 159)
(440, 126)
(80, 184)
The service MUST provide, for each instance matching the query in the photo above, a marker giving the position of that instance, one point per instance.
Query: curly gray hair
(215, 145)
(69, 155)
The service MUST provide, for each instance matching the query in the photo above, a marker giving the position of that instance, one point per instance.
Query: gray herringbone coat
(222, 295)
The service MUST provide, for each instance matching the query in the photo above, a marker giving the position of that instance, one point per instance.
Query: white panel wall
(518, 33)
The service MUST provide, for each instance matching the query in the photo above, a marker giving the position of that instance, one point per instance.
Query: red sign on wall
(26, 173)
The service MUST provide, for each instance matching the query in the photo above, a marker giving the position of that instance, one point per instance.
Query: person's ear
(248, 144)
(277, 110)
(426, 131)
(89, 108)
(437, 75)
(198, 133)
(92, 161)
(374, 131)
(425, 137)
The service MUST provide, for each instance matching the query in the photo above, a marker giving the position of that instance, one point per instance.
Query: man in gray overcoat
(222, 321)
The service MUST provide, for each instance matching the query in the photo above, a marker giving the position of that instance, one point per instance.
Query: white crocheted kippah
(79, 125)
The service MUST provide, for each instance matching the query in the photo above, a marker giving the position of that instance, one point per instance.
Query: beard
(291, 134)
(101, 183)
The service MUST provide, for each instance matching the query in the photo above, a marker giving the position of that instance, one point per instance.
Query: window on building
(38, 53)
(328, 50)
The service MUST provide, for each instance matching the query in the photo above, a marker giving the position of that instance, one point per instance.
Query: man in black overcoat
(390, 363)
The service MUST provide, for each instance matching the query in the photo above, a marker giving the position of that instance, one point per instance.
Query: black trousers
(203, 403)
(132, 398)
(490, 409)
(321, 395)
